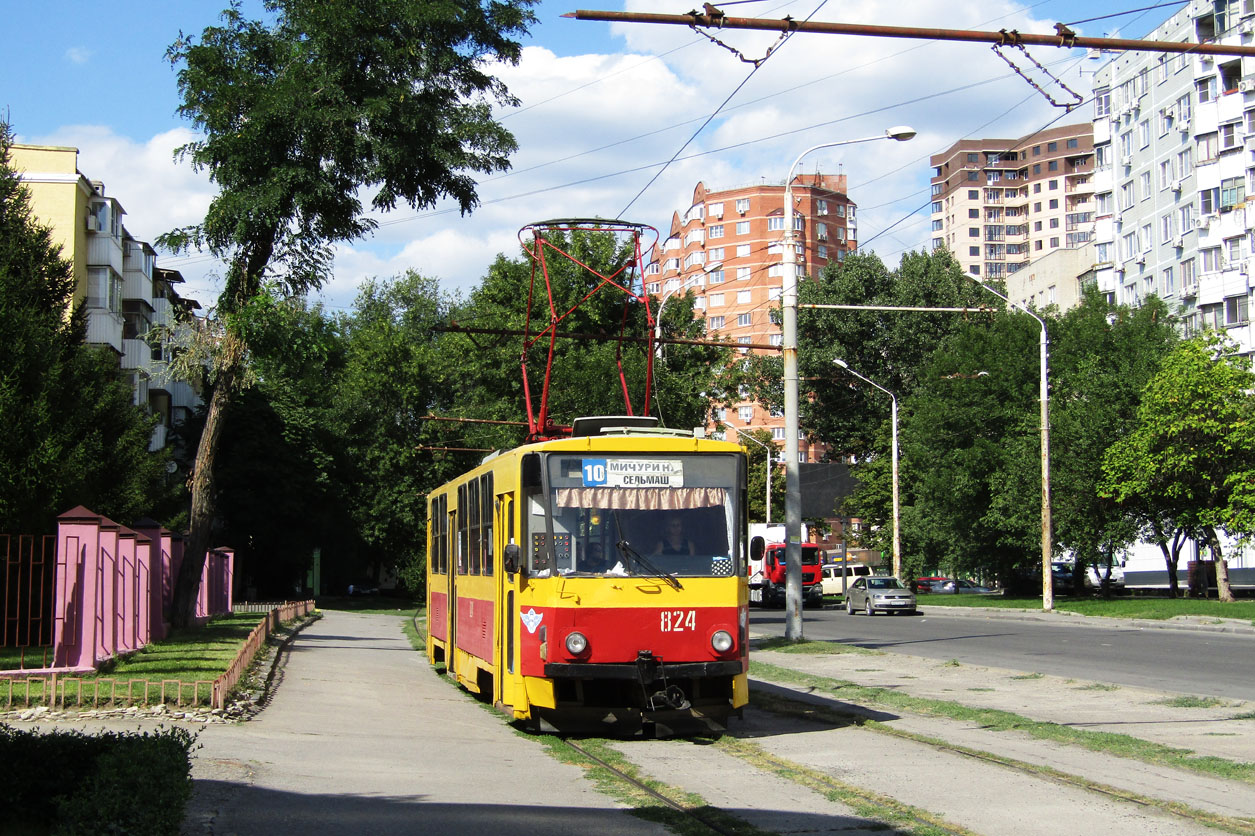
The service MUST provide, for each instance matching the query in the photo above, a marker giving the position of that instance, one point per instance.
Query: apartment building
(1173, 137)
(117, 280)
(728, 247)
(1000, 205)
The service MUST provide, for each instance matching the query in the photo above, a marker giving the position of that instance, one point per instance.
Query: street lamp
(770, 450)
(792, 489)
(897, 538)
(1047, 587)
(685, 285)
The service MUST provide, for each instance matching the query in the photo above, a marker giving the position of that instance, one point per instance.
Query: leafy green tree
(756, 460)
(1102, 357)
(299, 114)
(886, 346)
(1191, 454)
(71, 434)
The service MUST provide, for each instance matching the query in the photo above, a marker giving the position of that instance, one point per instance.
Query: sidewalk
(362, 737)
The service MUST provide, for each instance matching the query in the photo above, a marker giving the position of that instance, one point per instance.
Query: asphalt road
(1206, 663)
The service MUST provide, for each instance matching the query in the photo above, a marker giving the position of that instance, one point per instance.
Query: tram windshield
(665, 515)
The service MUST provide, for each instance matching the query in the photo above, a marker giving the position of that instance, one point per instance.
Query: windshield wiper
(625, 549)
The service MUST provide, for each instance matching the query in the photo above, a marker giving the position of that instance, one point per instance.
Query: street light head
(901, 133)
(841, 363)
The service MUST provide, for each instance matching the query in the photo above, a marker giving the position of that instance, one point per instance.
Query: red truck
(766, 574)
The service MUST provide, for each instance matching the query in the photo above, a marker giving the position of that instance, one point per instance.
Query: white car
(1095, 574)
(832, 576)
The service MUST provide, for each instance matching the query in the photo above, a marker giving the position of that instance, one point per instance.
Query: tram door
(455, 568)
(506, 595)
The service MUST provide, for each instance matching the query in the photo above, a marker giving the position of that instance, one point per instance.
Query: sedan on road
(873, 595)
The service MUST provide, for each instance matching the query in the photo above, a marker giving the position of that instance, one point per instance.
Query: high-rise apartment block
(1000, 205)
(117, 280)
(728, 247)
(1173, 135)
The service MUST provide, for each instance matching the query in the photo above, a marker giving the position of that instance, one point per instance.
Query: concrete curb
(1193, 623)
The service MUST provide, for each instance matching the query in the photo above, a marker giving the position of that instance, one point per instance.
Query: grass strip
(809, 711)
(1157, 609)
(691, 821)
(902, 818)
(1119, 745)
(783, 645)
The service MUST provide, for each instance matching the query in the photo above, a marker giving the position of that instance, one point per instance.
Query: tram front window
(630, 515)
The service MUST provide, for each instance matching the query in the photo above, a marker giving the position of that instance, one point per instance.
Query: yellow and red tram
(552, 592)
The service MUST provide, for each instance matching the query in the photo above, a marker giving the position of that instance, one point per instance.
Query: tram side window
(463, 533)
(437, 520)
(472, 511)
(486, 515)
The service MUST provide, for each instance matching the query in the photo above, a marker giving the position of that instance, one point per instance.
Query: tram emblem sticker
(633, 473)
(531, 619)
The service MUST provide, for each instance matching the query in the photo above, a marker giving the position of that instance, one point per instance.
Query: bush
(115, 782)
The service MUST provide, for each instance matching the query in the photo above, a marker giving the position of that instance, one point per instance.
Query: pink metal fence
(96, 590)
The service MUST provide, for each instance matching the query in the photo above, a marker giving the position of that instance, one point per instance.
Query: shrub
(67, 782)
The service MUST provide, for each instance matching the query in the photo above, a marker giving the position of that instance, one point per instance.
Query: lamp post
(792, 490)
(897, 538)
(1047, 588)
(685, 285)
(743, 435)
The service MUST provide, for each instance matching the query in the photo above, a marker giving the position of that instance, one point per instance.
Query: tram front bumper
(635, 672)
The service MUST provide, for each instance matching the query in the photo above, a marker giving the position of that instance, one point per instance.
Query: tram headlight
(721, 641)
(576, 643)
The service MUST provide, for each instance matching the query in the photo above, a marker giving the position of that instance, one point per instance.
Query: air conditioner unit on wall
(1247, 85)
(1179, 243)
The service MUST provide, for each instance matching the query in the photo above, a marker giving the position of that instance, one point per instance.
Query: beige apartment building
(727, 246)
(117, 280)
(999, 205)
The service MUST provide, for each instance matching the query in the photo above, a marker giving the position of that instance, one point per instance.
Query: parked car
(363, 587)
(930, 584)
(1061, 576)
(832, 576)
(964, 586)
(1094, 576)
(877, 594)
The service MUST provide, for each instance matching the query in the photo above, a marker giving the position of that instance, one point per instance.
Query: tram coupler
(651, 669)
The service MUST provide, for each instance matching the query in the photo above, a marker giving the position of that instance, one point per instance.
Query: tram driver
(674, 541)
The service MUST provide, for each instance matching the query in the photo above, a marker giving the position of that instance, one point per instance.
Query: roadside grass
(369, 604)
(1029, 676)
(811, 647)
(1122, 607)
(1119, 745)
(1188, 701)
(1098, 686)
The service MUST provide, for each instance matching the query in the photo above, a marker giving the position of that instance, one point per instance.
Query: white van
(832, 576)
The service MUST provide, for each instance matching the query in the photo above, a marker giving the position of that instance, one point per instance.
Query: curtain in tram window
(640, 499)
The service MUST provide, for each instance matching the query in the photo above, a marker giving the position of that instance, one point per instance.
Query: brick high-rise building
(728, 247)
(1001, 204)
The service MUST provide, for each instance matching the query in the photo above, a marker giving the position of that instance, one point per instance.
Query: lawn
(1120, 607)
(369, 604)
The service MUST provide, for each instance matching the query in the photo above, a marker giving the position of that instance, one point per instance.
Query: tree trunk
(187, 585)
(1223, 591)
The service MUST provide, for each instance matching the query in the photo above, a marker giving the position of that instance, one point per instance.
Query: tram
(596, 582)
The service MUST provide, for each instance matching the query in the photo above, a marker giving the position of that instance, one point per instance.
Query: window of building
(1053, 165)
(1036, 226)
(1143, 133)
(1054, 203)
(1037, 188)
(823, 250)
(742, 250)
(1102, 203)
(1209, 201)
(1208, 147)
(821, 231)
(1144, 182)
(715, 300)
(1188, 277)
(1232, 192)
(1074, 143)
(1037, 168)
(745, 413)
(742, 227)
(1229, 136)
(652, 287)
(715, 253)
(1233, 249)
(774, 293)
(973, 175)
(743, 297)
(742, 205)
(744, 320)
(973, 213)
(1165, 228)
(1168, 284)
(1211, 259)
(776, 222)
(715, 276)
(742, 273)
(1235, 310)
(821, 207)
(714, 323)
(972, 194)
(1205, 89)
(715, 231)
(714, 210)
(1054, 184)
(1054, 243)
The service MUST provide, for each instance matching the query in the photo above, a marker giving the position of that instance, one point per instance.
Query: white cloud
(78, 55)
(594, 129)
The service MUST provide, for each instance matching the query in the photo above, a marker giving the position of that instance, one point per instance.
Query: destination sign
(633, 473)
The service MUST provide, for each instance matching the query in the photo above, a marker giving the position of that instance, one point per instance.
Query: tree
(1102, 357)
(756, 462)
(1191, 456)
(71, 433)
(299, 114)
